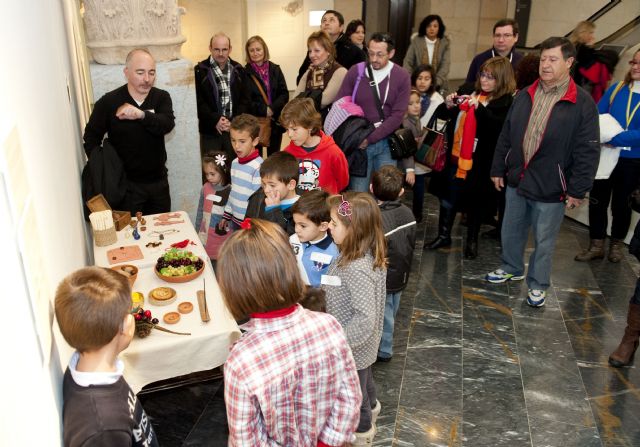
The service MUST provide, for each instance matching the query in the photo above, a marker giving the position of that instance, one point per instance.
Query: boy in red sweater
(322, 163)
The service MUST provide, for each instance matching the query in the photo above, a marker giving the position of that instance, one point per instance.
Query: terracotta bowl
(127, 270)
(178, 279)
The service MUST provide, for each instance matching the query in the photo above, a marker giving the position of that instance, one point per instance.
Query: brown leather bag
(264, 121)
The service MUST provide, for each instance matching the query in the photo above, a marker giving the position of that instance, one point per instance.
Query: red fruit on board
(138, 317)
(147, 313)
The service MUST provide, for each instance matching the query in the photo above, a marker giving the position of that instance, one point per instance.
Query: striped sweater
(245, 180)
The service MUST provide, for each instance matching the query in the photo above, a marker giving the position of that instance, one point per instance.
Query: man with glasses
(392, 85)
(347, 54)
(549, 152)
(219, 95)
(505, 36)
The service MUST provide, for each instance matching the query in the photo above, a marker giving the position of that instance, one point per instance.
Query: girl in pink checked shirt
(290, 380)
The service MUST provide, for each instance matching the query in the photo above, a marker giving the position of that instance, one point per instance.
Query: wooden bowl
(127, 270)
(178, 279)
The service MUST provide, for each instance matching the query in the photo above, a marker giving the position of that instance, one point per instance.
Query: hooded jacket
(324, 168)
(399, 228)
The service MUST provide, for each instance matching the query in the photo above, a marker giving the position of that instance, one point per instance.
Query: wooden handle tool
(202, 306)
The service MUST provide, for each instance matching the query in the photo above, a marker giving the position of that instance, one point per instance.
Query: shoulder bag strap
(372, 83)
(614, 93)
(264, 96)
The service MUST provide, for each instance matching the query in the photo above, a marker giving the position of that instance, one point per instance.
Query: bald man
(136, 117)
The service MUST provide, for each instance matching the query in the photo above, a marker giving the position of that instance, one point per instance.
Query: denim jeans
(545, 220)
(390, 310)
(378, 155)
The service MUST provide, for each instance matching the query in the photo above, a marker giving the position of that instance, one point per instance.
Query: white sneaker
(366, 438)
(375, 411)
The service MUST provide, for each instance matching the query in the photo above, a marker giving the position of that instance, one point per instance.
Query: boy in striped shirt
(245, 169)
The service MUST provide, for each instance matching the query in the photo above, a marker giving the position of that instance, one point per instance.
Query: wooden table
(162, 355)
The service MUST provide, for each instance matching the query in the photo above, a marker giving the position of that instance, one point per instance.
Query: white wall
(35, 102)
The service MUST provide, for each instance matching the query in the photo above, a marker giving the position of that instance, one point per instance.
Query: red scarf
(253, 155)
(464, 138)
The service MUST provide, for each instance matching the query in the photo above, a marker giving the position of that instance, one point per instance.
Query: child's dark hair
(313, 205)
(281, 165)
(301, 112)
(314, 299)
(220, 162)
(90, 306)
(386, 183)
(429, 69)
(246, 123)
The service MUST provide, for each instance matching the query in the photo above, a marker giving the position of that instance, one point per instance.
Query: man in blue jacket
(548, 152)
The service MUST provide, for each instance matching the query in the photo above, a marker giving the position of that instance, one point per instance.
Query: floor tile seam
(406, 357)
(584, 387)
(524, 394)
(197, 421)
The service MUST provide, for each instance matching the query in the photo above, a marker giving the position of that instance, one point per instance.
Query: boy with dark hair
(273, 202)
(399, 227)
(245, 180)
(313, 246)
(92, 306)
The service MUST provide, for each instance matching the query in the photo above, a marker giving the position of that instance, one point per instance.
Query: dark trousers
(274, 142)
(418, 195)
(369, 398)
(614, 190)
(150, 198)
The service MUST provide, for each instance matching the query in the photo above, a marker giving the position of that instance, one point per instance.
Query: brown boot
(623, 355)
(595, 251)
(615, 250)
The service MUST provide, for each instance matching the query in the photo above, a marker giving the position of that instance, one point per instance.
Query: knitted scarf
(223, 79)
(319, 77)
(464, 138)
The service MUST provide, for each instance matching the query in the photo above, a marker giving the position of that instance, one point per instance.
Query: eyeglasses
(632, 63)
(487, 76)
(502, 36)
(344, 209)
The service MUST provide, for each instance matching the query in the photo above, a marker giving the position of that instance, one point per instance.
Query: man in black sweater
(347, 54)
(136, 118)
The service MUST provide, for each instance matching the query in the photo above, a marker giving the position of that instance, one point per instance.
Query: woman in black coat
(260, 70)
(466, 184)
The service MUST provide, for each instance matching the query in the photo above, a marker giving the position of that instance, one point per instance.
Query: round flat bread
(185, 307)
(161, 296)
(171, 317)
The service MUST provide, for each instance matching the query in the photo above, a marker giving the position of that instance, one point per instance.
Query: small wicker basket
(106, 237)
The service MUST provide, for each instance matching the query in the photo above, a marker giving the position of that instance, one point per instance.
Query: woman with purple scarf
(264, 80)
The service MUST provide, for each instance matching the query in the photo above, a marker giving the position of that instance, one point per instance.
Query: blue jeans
(378, 155)
(390, 310)
(545, 220)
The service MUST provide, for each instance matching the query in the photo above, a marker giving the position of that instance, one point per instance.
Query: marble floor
(475, 366)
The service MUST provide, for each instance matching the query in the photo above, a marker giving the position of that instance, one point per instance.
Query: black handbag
(401, 142)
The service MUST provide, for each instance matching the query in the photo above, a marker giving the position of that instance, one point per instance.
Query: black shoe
(383, 359)
(440, 241)
(471, 250)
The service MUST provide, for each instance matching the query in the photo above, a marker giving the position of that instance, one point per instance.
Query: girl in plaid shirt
(290, 380)
(356, 291)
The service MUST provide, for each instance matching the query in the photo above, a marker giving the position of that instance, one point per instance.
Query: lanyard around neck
(635, 109)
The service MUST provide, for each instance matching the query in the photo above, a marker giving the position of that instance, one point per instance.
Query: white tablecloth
(162, 355)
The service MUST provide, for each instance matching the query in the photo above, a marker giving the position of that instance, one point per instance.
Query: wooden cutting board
(124, 254)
